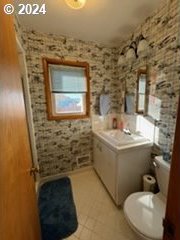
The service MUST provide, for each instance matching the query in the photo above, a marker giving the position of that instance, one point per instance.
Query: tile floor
(98, 216)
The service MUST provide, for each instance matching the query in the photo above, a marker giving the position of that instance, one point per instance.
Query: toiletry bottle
(121, 125)
(114, 123)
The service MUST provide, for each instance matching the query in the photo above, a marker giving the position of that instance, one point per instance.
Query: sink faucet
(127, 131)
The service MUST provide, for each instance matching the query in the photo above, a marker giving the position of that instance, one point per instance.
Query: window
(141, 91)
(67, 89)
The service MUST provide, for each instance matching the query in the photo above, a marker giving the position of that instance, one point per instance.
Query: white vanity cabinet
(121, 170)
(97, 152)
(105, 165)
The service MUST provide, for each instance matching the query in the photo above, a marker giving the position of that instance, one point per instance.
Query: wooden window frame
(49, 99)
(141, 71)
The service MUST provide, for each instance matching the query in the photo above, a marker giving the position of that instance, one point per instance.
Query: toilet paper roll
(149, 183)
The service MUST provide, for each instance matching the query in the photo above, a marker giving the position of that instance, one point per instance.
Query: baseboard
(42, 180)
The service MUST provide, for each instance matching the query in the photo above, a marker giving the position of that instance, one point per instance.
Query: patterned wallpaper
(163, 35)
(60, 143)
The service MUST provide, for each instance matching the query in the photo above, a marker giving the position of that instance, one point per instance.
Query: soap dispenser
(114, 123)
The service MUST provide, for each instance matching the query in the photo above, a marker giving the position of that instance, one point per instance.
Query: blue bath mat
(57, 210)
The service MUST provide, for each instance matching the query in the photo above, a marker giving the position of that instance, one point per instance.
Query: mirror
(141, 93)
(135, 88)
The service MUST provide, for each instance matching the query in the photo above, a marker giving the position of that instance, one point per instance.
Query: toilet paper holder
(149, 183)
(155, 164)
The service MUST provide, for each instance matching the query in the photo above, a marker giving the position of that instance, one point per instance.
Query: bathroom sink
(120, 138)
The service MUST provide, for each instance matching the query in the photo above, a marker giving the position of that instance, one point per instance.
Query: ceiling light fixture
(76, 4)
(122, 59)
(131, 52)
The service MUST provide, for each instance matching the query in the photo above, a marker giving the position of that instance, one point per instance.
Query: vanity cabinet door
(97, 155)
(105, 165)
(109, 170)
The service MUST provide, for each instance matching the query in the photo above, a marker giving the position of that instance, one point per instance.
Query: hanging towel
(104, 104)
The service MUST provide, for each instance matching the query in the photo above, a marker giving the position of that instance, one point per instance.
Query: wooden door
(172, 219)
(18, 204)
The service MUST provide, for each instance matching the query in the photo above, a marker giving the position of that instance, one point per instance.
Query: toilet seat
(145, 212)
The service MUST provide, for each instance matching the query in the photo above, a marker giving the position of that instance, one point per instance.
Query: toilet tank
(162, 173)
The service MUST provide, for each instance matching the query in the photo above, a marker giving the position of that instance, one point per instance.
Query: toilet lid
(145, 211)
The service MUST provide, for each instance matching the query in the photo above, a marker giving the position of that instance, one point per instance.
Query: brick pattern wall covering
(60, 143)
(162, 33)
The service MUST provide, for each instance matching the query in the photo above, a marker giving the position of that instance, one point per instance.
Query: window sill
(67, 117)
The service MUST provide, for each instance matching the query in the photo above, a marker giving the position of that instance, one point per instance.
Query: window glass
(67, 89)
(68, 79)
(69, 103)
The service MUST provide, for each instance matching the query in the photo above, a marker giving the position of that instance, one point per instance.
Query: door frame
(172, 219)
(27, 99)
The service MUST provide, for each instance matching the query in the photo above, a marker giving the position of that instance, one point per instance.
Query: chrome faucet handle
(127, 131)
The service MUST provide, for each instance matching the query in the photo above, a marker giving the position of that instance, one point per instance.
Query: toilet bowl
(144, 211)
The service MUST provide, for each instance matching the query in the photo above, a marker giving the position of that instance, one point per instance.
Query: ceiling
(103, 21)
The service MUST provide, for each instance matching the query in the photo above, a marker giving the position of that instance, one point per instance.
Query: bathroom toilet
(145, 211)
